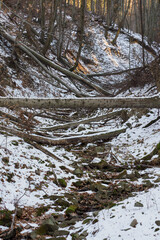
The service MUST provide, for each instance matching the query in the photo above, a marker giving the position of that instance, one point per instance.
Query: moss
(48, 227)
(95, 221)
(41, 210)
(79, 183)
(15, 143)
(62, 203)
(71, 209)
(154, 152)
(87, 221)
(62, 182)
(5, 218)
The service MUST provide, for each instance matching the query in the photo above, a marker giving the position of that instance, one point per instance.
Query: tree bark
(64, 141)
(84, 121)
(77, 103)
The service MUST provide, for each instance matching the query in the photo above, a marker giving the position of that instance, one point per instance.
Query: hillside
(103, 187)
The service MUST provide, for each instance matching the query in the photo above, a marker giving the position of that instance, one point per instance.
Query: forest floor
(97, 190)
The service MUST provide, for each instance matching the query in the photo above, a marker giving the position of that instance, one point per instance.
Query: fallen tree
(84, 121)
(76, 103)
(63, 141)
(41, 59)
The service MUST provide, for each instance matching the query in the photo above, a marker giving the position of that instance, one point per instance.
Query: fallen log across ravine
(77, 103)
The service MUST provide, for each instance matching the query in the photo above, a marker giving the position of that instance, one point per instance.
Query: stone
(134, 223)
(71, 209)
(60, 233)
(78, 172)
(62, 182)
(48, 227)
(62, 203)
(138, 204)
(148, 183)
(157, 180)
(19, 212)
(87, 221)
(5, 160)
(157, 222)
(15, 143)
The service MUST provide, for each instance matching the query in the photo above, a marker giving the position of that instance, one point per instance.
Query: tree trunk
(80, 33)
(64, 141)
(76, 103)
(46, 61)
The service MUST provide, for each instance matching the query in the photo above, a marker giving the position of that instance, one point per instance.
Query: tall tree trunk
(80, 33)
(142, 30)
(42, 19)
(51, 26)
(121, 24)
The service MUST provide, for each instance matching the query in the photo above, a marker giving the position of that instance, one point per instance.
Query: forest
(79, 119)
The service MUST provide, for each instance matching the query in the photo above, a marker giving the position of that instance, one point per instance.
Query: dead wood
(78, 103)
(84, 121)
(114, 73)
(41, 59)
(64, 141)
(133, 39)
(152, 122)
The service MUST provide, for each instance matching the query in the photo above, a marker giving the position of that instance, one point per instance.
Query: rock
(60, 218)
(157, 222)
(5, 160)
(95, 221)
(62, 182)
(37, 171)
(79, 183)
(147, 183)
(78, 172)
(124, 186)
(75, 236)
(19, 212)
(62, 203)
(87, 221)
(97, 187)
(67, 223)
(60, 233)
(134, 223)
(157, 180)
(157, 229)
(138, 204)
(100, 165)
(48, 227)
(84, 234)
(15, 143)
(5, 218)
(71, 209)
